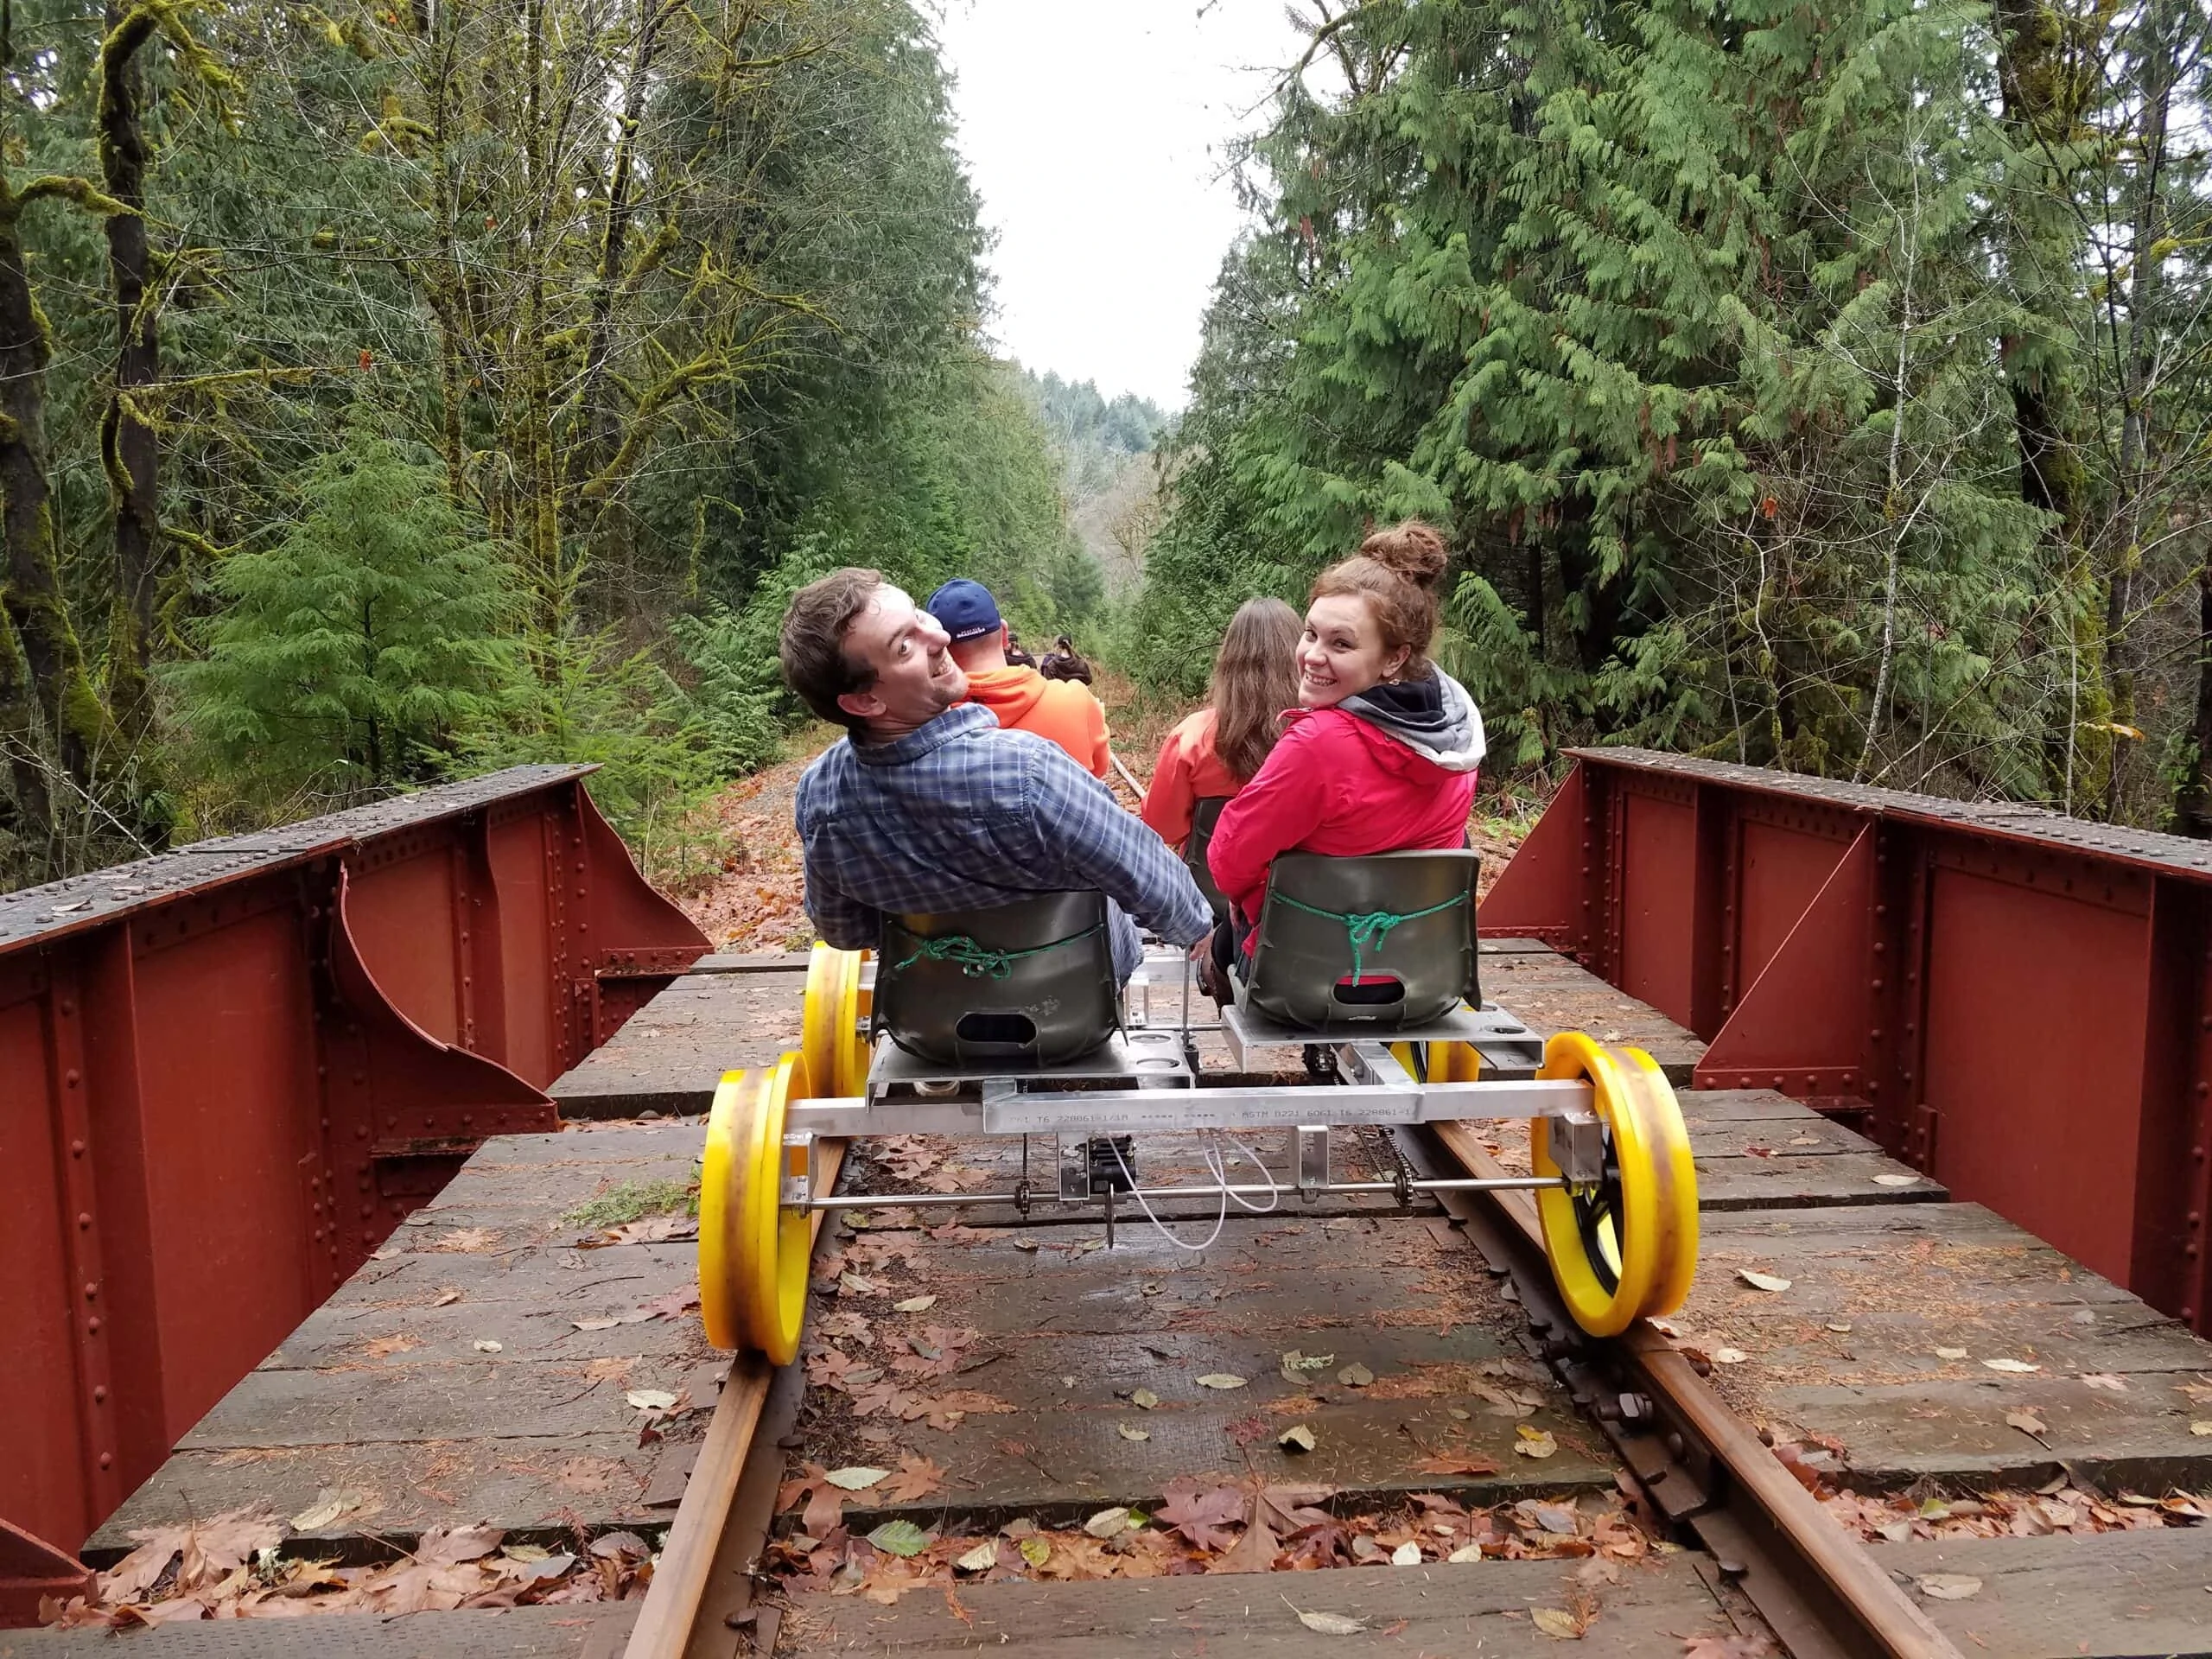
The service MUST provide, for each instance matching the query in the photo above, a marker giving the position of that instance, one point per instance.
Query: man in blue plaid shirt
(929, 805)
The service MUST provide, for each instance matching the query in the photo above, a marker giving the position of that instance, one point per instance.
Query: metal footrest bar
(1333, 1189)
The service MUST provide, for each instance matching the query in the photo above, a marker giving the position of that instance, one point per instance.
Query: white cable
(1130, 1175)
(1220, 1174)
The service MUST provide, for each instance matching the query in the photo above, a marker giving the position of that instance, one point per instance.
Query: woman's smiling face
(1341, 653)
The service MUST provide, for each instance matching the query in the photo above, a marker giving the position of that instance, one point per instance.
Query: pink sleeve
(1279, 808)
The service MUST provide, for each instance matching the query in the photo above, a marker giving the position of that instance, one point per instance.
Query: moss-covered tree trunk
(52, 721)
(130, 449)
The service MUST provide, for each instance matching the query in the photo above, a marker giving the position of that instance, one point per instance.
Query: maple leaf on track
(1200, 1514)
(918, 1478)
(825, 1504)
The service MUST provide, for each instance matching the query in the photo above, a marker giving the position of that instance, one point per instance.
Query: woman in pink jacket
(1383, 751)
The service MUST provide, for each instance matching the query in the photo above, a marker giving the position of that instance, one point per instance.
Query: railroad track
(1706, 1472)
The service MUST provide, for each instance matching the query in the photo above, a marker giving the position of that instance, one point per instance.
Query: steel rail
(687, 1557)
(1816, 1586)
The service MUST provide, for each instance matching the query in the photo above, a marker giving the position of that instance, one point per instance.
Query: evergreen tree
(350, 653)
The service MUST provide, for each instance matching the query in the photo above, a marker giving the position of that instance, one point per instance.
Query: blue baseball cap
(966, 608)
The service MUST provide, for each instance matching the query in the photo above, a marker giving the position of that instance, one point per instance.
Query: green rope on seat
(1367, 930)
(980, 960)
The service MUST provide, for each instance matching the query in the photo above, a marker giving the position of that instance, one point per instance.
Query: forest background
(388, 394)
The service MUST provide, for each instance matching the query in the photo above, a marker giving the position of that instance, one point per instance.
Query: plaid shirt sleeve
(1108, 848)
(839, 919)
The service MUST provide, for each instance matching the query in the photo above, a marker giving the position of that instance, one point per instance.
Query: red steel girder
(226, 1073)
(2017, 1003)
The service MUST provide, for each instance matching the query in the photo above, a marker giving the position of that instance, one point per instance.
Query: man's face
(904, 647)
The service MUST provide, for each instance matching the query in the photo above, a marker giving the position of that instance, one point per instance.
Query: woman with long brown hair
(1217, 751)
(1383, 751)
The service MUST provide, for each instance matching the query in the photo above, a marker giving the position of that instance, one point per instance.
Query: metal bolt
(1730, 1568)
(107, 1459)
(99, 1394)
(1675, 1444)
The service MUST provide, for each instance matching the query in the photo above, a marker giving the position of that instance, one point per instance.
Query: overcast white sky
(1093, 130)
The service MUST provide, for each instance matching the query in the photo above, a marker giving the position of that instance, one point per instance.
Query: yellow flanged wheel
(1454, 1062)
(753, 1251)
(825, 968)
(1609, 1243)
(1663, 1132)
(851, 1054)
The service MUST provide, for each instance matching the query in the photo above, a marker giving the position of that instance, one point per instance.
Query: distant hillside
(1107, 470)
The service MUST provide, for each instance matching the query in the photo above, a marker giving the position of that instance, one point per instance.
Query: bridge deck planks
(591, 1630)
(443, 1434)
(384, 1390)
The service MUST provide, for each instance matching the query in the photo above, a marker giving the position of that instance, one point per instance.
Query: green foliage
(629, 1201)
(348, 653)
(636, 378)
(1711, 333)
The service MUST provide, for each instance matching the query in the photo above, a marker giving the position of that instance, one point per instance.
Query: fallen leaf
(330, 1502)
(915, 1305)
(917, 1479)
(1552, 1622)
(1534, 1442)
(2017, 1366)
(1220, 1380)
(1128, 1433)
(858, 1479)
(1762, 1281)
(604, 1323)
(1450, 1463)
(982, 1559)
(1108, 1523)
(446, 1299)
(2027, 1422)
(1297, 1438)
(650, 1399)
(1330, 1624)
(1354, 1376)
(1406, 1555)
(1465, 1553)
(1200, 1514)
(2106, 1380)
(1950, 1353)
(1896, 1180)
(485, 1345)
(1144, 1399)
(1035, 1551)
(1949, 1586)
(851, 1284)
(1841, 1327)
(899, 1538)
(1295, 1365)
(2203, 1426)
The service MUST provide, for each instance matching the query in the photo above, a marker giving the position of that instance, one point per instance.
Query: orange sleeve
(1101, 743)
(1171, 799)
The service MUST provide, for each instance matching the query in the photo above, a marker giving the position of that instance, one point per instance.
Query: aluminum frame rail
(226, 1073)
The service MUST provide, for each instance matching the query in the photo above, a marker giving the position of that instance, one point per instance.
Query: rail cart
(1009, 1021)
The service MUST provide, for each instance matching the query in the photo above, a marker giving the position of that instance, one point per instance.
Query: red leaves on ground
(1200, 1514)
(825, 1504)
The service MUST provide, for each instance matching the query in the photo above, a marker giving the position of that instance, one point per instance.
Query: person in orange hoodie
(1216, 751)
(1060, 711)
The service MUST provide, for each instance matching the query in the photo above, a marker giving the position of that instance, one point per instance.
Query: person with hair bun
(1383, 751)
